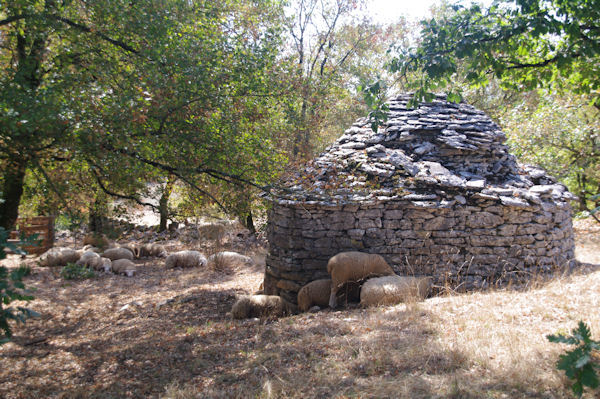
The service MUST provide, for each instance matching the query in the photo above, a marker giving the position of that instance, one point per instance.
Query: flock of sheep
(378, 283)
(119, 260)
(380, 286)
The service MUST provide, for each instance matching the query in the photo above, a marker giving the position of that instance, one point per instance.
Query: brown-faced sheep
(314, 293)
(258, 306)
(228, 259)
(85, 259)
(59, 256)
(185, 259)
(390, 290)
(100, 264)
(123, 266)
(118, 253)
(96, 240)
(353, 267)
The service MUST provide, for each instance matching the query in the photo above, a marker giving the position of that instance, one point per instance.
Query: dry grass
(175, 340)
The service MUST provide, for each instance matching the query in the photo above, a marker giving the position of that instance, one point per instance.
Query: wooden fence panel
(43, 226)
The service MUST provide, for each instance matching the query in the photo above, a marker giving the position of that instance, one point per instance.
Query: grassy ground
(166, 334)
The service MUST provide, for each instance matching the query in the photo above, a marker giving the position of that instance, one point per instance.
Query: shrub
(578, 364)
(75, 272)
(12, 289)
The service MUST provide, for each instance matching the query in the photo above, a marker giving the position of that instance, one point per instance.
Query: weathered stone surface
(484, 220)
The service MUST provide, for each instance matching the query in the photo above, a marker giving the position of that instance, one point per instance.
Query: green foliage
(578, 364)
(76, 272)
(560, 133)
(12, 289)
(526, 44)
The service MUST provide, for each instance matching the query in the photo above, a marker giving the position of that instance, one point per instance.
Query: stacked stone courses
(434, 191)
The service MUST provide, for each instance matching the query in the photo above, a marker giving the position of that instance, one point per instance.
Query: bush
(578, 364)
(12, 289)
(75, 272)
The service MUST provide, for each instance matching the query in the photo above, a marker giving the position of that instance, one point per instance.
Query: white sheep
(258, 306)
(152, 250)
(118, 253)
(123, 266)
(85, 259)
(101, 264)
(59, 256)
(229, 259)
(314, 293)
(185, 259)
(390, 290)
(354, 266)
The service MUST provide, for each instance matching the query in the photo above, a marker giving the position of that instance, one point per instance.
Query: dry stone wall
(435, 192)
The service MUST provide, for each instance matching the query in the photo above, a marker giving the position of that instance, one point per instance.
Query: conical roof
(440, 151)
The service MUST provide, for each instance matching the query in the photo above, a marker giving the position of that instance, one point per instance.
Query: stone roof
(440, 152)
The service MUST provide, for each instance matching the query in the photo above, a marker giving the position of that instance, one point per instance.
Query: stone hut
(435, 192)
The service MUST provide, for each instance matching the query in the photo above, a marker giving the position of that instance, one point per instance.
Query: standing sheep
(390, 290)
(185, 259)
(123, 266)
(354, 267)
(118, 253)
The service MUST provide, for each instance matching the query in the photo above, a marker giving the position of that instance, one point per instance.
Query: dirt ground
(167, 334)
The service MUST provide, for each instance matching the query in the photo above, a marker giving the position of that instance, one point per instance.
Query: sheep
(229, 259)
(85, 259)
(259, 306)
(185, 259)
(96, 240)
(89, 247)
(59, 256)
(123, 266)
(390, 290)
(154, 250)
(314, 293)
(353, 267)
(118, 253)
(101, 264)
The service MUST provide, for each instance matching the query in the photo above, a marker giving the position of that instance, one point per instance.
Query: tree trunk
(250, 222)
(12, 189)
(98, 215)
(163, 204)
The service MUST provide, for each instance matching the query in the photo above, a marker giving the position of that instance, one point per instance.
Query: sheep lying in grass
(259, 306)
(100, 264)
(85, 259)
(59, 256)
(152, 250)
(314, 293)
(390, 290)
(228, 259)
(123, 266)
(87, 248)
(118, 253)
(185, 259)
(353, 267)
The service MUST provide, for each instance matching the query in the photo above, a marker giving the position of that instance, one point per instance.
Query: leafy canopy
(525, 43)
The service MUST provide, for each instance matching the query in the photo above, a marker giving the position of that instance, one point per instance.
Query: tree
(123, 87)
(524, 43)
(331, 50)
